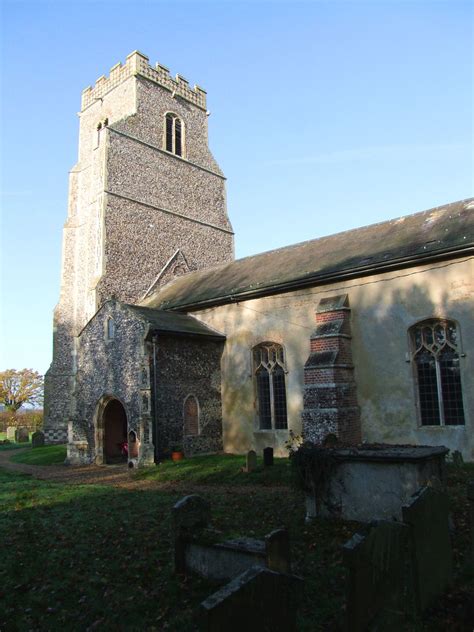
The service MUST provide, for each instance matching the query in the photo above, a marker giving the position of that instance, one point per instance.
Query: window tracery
(269, 371)
(435, 347)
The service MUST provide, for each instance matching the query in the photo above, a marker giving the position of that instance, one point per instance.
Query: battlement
(138, 64)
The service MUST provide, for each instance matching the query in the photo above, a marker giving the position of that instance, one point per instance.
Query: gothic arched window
(174, 134)
(191, 415)
(435, 348)
(269, 372)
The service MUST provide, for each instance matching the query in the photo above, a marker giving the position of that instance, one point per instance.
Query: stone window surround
(198, 415)
(410, 358)
(275, 340)
(109, 326)
(183, 134)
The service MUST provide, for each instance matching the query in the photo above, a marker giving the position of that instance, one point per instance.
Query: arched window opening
(435, 349)
(269, 372)
(174, 134)
(191, 416)
(110, 329)
(132, 445)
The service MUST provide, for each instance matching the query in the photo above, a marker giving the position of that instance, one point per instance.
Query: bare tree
(18, 388)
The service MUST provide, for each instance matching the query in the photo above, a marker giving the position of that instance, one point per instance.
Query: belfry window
(435, 347)
(174, 133)
(269, 373)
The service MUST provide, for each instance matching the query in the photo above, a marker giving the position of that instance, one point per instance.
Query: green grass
(14, 446)
(222, 469)
(47, 455)
(79, 557)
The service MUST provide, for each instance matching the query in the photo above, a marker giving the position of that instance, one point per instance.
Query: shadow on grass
(47, 455)
(219, 469)
(80, 556)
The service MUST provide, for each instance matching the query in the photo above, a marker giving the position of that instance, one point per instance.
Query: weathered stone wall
(132, 205)
(110, 369)
(188, 366)
(383, 308)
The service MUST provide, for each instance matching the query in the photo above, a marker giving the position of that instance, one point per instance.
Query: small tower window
(174, 134)
(99, 128)
(110, 329)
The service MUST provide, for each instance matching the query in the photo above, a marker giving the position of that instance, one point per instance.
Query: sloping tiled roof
(173, 323)
(410, 240)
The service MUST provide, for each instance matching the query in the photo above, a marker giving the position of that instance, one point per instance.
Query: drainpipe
(154, 429)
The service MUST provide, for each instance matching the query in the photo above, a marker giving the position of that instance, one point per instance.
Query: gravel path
(117, 476)
(89, 474)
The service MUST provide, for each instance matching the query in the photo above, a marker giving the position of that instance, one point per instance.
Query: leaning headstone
(259, 599)
(22, 435)
(458, 461)
(470, 497)
(190, 515)
(11, 433)
(428, 518)
(37, 439)
(267, 457)
(377, 595)
(251, 461)
(277, 545)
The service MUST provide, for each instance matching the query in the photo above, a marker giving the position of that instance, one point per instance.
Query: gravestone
(458, 461)
(267, 456)
(277, 544)
(251, 461)
(257, 600)
(22, 435)
(190, 515)
(377, 595)
(11, 433)
(37, 439)
(428, 518)
(470, 497)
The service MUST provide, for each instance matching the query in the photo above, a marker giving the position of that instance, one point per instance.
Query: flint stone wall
(120, 191)
(189, 366)
(109, 369)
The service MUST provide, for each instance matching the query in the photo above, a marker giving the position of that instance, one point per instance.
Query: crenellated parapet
(138, 64)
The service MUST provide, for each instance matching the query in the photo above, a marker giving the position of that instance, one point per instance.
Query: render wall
(188, 366)
(383, 308)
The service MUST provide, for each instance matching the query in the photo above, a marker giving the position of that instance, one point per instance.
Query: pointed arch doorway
(114, 432)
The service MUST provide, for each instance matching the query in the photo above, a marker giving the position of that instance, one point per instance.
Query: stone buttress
(330, 393)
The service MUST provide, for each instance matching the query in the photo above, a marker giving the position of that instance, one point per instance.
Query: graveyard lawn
(81, 557)
(47, 455)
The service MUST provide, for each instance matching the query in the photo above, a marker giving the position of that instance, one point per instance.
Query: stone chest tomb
(374, 482)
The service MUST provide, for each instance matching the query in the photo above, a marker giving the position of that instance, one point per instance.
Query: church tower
(147, 203)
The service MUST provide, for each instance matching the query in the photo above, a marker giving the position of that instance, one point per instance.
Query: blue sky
(324, 116)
